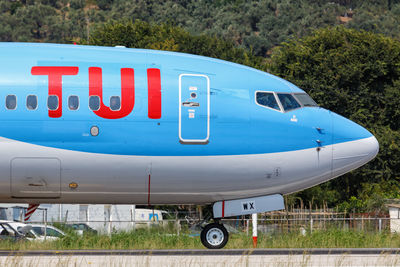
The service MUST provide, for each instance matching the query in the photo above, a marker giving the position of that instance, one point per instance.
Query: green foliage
(356, 74)
(256, 25)
(140, 34)
(353, 205)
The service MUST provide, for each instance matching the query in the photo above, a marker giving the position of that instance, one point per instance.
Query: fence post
(287, 219)
(362, 223)
(45, 224)
(133, 216)
(178, 226)
(380, 225)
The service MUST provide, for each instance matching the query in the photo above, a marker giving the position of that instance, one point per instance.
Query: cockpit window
(267, 100)
(288, 102)
(306, 100)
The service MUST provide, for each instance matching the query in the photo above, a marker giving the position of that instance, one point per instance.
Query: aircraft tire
(214, 236)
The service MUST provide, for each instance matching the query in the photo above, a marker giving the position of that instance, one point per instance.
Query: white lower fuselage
(101, 178)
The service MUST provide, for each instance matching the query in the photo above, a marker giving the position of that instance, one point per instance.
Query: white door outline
(194, 141)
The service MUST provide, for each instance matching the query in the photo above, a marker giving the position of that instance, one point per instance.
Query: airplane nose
(353, 146)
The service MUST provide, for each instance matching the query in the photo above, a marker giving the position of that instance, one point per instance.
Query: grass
(332, 238)
(159, 238)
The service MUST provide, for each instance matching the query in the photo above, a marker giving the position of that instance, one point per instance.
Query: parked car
(49, 232)
(81, 228)
(37, 232)
(8, 231)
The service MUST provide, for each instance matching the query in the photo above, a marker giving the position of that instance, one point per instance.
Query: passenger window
(52, 102)
(11, 102)
(38, 230)
(267, 100)
(73, 102)
(52, 232)
(288, 102)
(94, 102)
(115, 103)
(31, 102)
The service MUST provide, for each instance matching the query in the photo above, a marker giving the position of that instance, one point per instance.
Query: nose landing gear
(214, 236)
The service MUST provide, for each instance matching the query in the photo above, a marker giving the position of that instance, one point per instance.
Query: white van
(149, 215)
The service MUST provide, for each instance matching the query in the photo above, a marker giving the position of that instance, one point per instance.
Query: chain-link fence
(301, 220)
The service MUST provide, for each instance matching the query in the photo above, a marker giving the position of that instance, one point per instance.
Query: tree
(37, 20)
(356, 74)
(140, 34)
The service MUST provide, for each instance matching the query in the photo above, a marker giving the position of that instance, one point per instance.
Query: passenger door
(194, 108)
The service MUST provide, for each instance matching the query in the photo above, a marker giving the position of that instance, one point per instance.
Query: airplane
(115, 125)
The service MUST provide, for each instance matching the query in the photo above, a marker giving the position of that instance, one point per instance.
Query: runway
(225, 257)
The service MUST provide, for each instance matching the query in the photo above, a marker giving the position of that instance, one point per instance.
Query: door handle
(35, 184)
(190, 104)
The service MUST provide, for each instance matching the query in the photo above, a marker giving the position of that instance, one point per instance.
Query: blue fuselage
(237, 125)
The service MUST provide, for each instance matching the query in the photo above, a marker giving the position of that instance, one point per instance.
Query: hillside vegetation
(344, 53)
(259, 25)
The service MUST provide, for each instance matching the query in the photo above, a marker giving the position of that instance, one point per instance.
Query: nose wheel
(214, 236)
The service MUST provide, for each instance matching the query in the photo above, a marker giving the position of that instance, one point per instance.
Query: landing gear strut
(214, 236)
